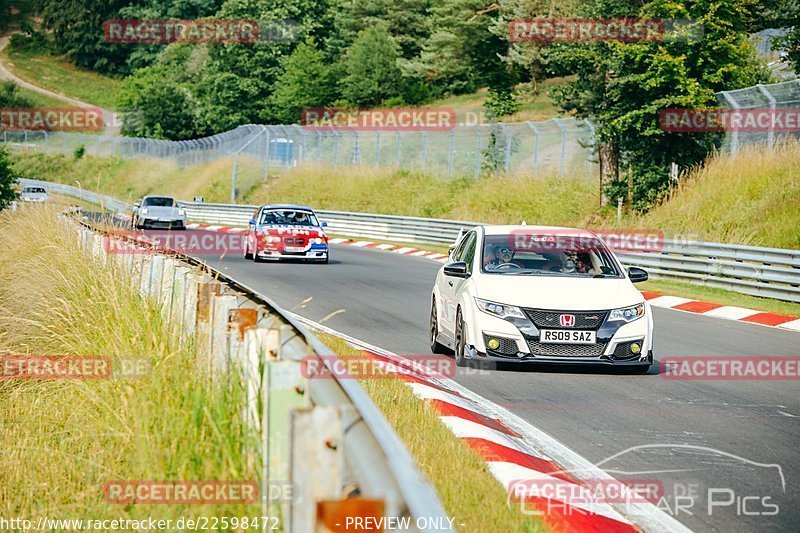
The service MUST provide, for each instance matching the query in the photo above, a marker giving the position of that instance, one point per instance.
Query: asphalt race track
(742, 434)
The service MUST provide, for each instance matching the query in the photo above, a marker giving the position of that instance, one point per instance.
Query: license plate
(292, 249)
(565, 336)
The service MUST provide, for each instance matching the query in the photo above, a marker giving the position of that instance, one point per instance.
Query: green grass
(39, 99)
(129, 180)
(539, 199)
(468, 491)
(535, 104)
(719, 296)
(59, 76)
(753, 198)
(62, 440)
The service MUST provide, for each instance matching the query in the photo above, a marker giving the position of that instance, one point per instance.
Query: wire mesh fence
(779, 101)
(557, 145)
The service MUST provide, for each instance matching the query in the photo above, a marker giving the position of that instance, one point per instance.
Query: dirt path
(109, 117)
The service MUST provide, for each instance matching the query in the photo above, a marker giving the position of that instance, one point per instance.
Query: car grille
(294, 241)
(547, 319)
(507, 346)
(567, 350)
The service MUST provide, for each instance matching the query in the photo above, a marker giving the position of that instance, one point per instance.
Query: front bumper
(161, 222)
(316, 252)
(519, 342)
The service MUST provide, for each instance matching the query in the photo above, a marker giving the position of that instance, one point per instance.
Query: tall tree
(370, 67)
(77, 30)
(622, 87)
(306, 81)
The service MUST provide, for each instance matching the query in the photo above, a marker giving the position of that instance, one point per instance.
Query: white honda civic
(540, 294)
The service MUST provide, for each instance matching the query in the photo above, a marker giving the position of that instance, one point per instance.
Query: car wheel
(247, 254)
(461, 341)
(436, 346)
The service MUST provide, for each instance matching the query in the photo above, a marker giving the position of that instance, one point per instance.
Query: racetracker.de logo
(731, 368)
(394, 119)
(181, 492)
(626, 30)
(165, 31)
(622, 240)
(52, 118)
(585, 492)
(369, 366)
(753, 120)
(195, 243)
(54, 367)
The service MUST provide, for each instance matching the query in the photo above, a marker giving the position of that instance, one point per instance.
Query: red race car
(286, 232)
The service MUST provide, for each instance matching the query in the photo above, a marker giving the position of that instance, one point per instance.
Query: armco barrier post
(156, 277)
(167, 283)
(284, 388)
(221, 306)
(317, 463)
(178, 296)
(203, 317)
(190, 304)
(145, 276)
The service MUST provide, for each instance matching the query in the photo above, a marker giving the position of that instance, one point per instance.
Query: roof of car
(287, 206)
(157, 196)
(536, 230)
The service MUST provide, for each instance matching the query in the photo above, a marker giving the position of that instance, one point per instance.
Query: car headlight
(499, 310)
(143, 211)
(627, 314)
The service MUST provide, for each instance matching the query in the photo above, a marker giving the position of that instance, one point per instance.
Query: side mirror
(324, 224)
(637, 275)
(456, 270)
(136, 205)
(252, 222)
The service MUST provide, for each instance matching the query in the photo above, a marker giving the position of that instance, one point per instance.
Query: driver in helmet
(500, 257)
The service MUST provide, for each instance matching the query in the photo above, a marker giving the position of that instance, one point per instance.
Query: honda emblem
(567, 321)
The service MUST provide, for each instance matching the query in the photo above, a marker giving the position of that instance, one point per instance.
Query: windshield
(547, 256)
(158, 201)
(288, 217)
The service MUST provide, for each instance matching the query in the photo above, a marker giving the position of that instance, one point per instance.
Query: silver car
(33, 194)
(158, 212)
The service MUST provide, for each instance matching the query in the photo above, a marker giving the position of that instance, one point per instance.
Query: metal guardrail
(765, 272)
(325, 436)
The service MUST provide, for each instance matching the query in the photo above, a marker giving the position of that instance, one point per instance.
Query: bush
(8, 177)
